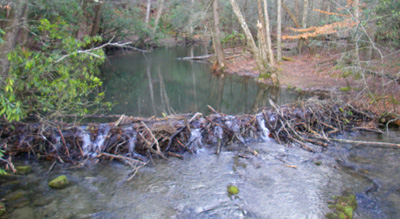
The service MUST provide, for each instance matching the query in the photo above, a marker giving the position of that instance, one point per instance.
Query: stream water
(279, 182)
(196, 187)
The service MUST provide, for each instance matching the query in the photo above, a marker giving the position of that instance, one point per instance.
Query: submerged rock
(23, 170)
(233, 190)
(14, 196)
(59, 183)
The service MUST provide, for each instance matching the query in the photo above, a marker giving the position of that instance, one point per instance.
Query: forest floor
(305, 71)
(319, 71)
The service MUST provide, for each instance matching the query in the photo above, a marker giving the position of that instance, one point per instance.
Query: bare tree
(279, 30)
(268, 33)
(261, 31)
(261, 64)
(250, 40)
(148, 13)
(158, 16)
(217, 37)
(303, 24)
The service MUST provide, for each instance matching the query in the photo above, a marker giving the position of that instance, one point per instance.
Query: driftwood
(137, 140)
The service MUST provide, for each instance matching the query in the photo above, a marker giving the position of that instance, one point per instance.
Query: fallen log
(204, 57)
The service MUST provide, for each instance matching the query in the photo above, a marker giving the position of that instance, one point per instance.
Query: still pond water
(146, 84)
(196, 187)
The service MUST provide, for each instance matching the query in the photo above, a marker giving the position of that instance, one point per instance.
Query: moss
(348, 211)
(345, 89)
(23, 170)
(59, 182)
(331, 215)
(233, 190)
(343, 206)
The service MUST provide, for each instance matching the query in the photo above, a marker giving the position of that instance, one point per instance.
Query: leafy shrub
(58, 78)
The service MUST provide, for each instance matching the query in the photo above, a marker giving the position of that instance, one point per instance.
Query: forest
(54, 82)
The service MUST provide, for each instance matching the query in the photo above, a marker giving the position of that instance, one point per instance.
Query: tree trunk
(270, 53)
(13, 30)
(217, 35)
(158, 16)
(296, 9)
(303, 24)
(191, 28)
(279, 30)
(96, 20)
(148, 13)
(249, 37)
(261, 31)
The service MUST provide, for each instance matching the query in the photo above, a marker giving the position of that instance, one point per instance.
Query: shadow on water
(146, 84)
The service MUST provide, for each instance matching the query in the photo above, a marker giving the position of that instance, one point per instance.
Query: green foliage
(2, 172)
(233, 39)
(2, 33)
(58, 78)
(388, 21)
(122, 22)
(71, 11)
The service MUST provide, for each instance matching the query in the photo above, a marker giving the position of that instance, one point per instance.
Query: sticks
(312, 122)
(384, 144)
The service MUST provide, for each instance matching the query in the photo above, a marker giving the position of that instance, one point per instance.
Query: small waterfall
(218, 132)
(58, 142)
(102, 133)
(264, 131)
(131, 141)
(86, 142)
(195, 140)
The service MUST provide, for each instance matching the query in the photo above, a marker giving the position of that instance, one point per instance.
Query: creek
(279, 182)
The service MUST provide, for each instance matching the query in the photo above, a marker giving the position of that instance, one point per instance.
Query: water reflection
(146, 84)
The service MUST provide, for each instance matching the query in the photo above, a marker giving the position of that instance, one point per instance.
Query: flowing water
(279, 182)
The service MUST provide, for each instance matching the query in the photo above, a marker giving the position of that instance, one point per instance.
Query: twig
(51, 167)
(122, 158)
(135, 171)
(155, 139)
(180, 130)
(63, 140)
(365, 142)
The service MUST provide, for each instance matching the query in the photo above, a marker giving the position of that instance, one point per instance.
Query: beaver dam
(282, 156)
(311, 125)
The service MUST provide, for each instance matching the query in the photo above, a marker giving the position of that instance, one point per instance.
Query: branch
(89, 51)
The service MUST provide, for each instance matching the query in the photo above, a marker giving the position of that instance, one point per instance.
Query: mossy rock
(23, 170)
(233, 190)
(318, 163)
(59, 183)
(18, 203)
(343, 206)
(3, 210)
